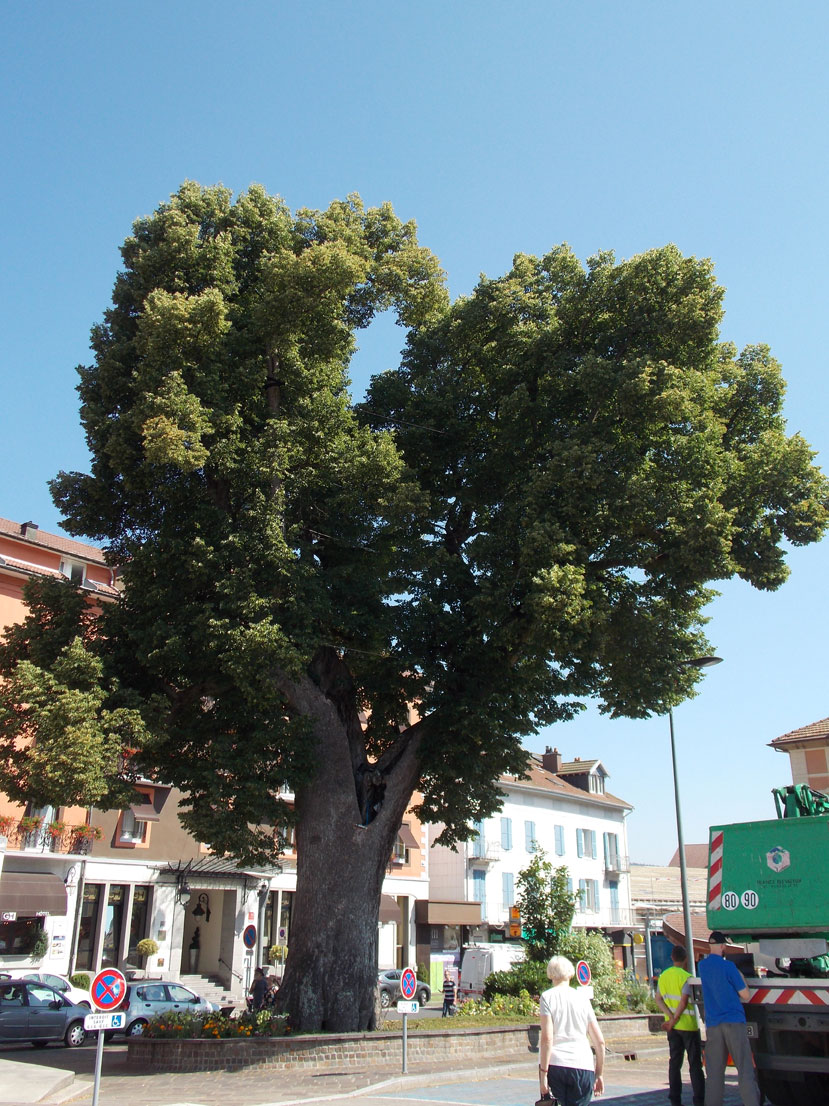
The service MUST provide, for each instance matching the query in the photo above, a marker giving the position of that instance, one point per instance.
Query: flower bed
(178, 1026)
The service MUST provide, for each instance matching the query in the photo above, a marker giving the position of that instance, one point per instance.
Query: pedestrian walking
(684, 1038)
(566, 1067)
(448, 994)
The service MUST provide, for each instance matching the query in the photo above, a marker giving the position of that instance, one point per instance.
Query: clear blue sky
(499, 128)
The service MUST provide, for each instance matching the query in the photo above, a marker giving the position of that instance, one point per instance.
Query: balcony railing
(53, 837)
(483, 852)
(616, 863)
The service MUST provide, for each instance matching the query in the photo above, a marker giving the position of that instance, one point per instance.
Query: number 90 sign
(749, 900)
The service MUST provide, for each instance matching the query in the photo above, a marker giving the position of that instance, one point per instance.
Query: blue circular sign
(583, 973)
(408, 983)
(108, 989)
(249, 937)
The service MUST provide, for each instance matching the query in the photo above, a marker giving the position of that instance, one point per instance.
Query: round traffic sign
(108, 989)
(583, 974)
(249, 937)
(408, 983)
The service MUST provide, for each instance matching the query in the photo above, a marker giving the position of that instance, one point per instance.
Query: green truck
(768, 889)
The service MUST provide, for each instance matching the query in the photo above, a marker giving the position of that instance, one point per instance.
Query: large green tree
(547, 907)
(529, 510)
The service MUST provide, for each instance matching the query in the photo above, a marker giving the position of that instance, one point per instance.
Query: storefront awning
(429, 912)
(389, 910)
(407, 837)
(28, 894)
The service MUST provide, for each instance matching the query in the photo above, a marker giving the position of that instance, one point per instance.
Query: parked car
(32, 1011)
(389, 983)
(147, 997)
(69, 991)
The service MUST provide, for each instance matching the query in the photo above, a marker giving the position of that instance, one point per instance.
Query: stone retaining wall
(338, 1051)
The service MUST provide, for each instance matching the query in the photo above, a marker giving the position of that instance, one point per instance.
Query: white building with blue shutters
(564, 808)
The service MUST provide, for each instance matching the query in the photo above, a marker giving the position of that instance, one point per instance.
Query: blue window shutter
(559, 840)
(478, 840)
(580, 842)
(508, 888)
(596, 895)
(529, 836)
(569, 885)
(506, 834)
(593, 843)
(582, 903)
(479, 888)
(606, 849)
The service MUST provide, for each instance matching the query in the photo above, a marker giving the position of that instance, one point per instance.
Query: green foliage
(147, 947)
(80, 979)
(527, 975)
(546, 906)
(39, 945)
(639, 998)
(512, 1005)
(423, 973)
(596, 949)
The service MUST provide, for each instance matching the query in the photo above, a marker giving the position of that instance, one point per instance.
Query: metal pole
(405, 1045)
(648, 952)
(99, 1056)
(683, 874)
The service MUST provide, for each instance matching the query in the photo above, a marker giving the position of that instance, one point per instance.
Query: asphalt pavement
(636, 1075)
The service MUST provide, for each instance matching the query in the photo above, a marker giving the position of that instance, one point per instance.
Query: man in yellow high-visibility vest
(684, 1035)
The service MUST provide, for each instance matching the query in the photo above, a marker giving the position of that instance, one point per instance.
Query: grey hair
(559, 969)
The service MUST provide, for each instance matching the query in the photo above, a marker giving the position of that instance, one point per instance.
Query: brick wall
(347, 1050)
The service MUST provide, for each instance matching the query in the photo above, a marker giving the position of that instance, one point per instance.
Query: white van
(482, 960)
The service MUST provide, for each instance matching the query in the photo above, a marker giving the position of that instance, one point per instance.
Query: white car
(60, 983)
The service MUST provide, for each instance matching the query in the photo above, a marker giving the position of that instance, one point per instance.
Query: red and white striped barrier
(789, 996)
(715, 872)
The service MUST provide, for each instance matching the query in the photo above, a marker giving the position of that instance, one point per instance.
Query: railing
(238, 975)
(50, 838)
(617, 863)
(483, 852)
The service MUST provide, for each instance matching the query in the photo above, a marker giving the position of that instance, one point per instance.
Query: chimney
(25, 527)
(551, 760)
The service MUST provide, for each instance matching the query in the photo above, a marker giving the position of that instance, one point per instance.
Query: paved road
(641, 1082)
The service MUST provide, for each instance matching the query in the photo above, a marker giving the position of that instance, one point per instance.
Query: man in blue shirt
(723, 993)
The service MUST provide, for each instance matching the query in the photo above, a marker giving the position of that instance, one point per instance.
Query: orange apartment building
(99, 881)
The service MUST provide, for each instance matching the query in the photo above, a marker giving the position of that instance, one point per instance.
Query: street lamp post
(698, 662)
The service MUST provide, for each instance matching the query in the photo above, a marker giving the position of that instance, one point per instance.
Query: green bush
(526, 975)
(608, 990)
(147, 947)
(80, 979)
(423, 973)
(637, 993)
(520, 1005)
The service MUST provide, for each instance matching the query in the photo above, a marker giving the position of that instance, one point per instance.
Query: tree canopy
(529, 510)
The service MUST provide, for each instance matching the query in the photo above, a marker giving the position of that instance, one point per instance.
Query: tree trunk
(330, 976)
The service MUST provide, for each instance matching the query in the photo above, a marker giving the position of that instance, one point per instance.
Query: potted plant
(29, 827)
(146, 948)
(195, 949)
(54, 832)
(39, 945)
(7, 824)
(82, 836)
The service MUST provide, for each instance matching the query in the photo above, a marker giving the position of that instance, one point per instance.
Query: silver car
(147, 997)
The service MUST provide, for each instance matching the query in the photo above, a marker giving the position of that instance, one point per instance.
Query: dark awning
(389, 910)
(28, 894)
(145, 812)
(447, 913)
(407, 837)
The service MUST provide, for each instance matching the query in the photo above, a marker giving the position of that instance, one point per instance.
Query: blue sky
(499, 128)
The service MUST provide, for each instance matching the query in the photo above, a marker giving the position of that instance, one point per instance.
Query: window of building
(113, 923)
(530, 842)
(132, 832)
(74, 570)
(611, 851)
(479, 889)
(596, 783)
(88, 925)
(508, 888)
(559, 832)
(138, 917)
(506, 834)
(589, 896)
(399, 854)
(586, 842)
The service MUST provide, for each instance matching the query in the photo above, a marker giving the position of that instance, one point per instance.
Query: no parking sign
(583, 974)
(108, 989)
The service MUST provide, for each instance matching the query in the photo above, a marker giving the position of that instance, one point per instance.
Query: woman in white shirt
(568, 1027)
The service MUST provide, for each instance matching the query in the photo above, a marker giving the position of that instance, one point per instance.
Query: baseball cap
(717, 938)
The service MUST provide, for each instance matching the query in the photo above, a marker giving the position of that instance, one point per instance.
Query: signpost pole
(405, 1045)
(99, 1059)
